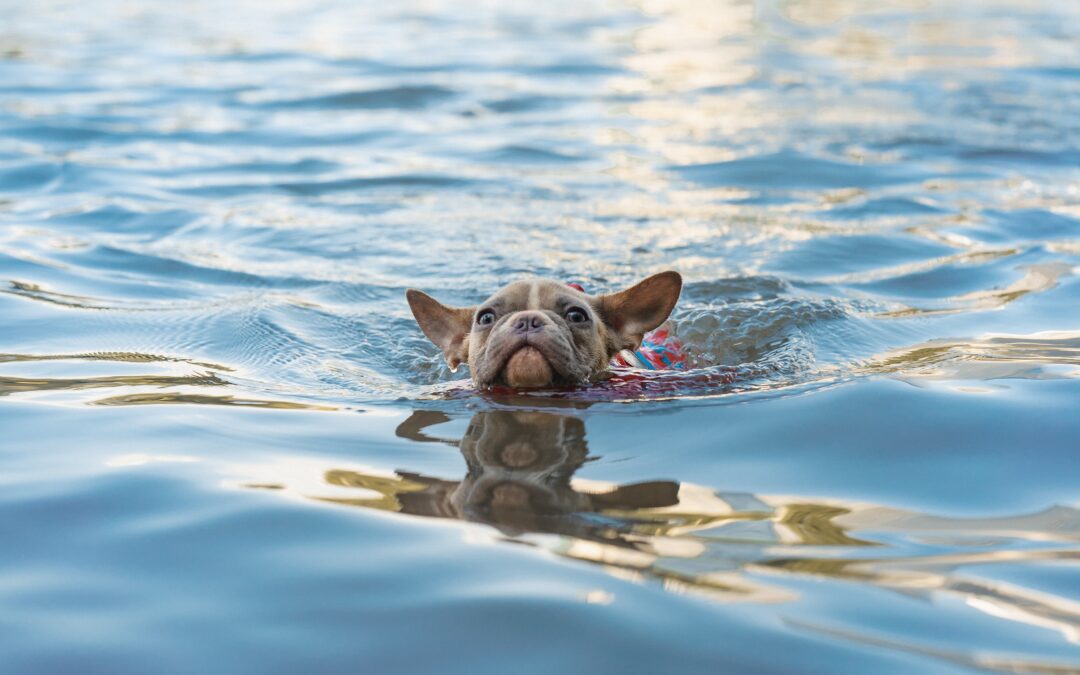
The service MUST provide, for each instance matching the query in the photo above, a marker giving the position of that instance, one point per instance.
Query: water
(227, 447)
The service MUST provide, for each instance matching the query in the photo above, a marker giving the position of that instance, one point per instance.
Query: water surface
(227, 447)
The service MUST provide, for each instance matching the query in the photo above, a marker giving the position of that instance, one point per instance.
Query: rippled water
(227, 447)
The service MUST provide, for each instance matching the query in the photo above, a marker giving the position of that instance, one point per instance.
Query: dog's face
(541, 333)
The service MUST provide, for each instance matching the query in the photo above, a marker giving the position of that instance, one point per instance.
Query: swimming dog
(540, 333)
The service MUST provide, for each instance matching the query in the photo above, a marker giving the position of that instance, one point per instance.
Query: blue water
(225, 446)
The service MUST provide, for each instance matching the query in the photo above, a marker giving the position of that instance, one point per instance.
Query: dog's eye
(485, 318)
(577, 315)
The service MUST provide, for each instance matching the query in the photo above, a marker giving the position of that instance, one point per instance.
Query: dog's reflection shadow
(520, 465)
(520, 479)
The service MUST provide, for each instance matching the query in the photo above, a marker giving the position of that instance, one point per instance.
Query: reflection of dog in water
(520, 480)
(520, 466)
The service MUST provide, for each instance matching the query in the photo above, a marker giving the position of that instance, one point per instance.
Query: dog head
(541, 333)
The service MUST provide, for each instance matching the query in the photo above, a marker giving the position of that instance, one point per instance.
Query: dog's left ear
(447, 327)
(641, 308)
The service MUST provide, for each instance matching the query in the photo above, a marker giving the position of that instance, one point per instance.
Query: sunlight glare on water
(228, 446)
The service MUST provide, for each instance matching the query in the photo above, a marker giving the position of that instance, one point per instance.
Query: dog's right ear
(447, 327)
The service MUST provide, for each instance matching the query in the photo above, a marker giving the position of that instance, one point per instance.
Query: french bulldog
(540, 333)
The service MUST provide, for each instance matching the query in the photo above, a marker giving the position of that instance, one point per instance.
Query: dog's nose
(528, 322)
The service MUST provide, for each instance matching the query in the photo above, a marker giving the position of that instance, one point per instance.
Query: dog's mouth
(528, 368)
(529, 362)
